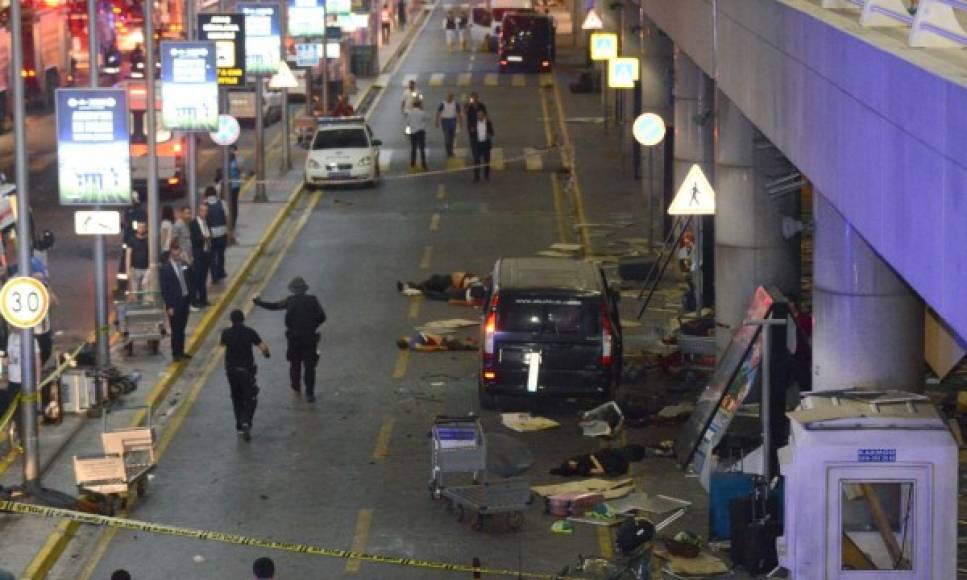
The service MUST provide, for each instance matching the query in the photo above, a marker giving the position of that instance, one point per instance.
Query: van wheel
(487, 400)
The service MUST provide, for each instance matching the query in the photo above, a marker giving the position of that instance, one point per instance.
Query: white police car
(342, 151)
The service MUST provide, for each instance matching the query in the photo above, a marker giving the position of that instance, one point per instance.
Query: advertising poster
(262, 38)
(227, 31)
(93, 156)
(307, 18)
(189, 88)
(339, 7)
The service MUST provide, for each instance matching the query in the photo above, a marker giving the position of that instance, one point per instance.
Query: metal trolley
(458, 445)
(142, 317)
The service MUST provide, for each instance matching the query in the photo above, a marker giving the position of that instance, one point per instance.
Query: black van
(561, 309)
(526, 41)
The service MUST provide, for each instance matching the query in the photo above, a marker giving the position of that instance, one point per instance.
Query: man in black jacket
(481, 135)
(201, 251)
(176, 292)
(303, 317)
(240, 369)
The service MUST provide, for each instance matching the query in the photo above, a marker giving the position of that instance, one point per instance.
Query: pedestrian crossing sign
(604, 45)
(695, 196)
(622, 72)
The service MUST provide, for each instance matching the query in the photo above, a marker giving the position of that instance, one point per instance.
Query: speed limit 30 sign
(24, 301)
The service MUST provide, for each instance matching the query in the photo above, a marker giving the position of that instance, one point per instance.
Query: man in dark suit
(481, 136)
(201, 252)
(176, 292)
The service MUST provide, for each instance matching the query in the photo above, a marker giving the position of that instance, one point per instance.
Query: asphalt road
(351, 470)
(72, 278)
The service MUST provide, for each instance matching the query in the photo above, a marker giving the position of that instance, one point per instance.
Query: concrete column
(656, 97)
(693, 144)
(868, 323)
(750, 250)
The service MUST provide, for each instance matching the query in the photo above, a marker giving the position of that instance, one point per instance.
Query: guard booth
(871, 489)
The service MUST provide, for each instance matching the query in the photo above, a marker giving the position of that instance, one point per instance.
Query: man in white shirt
(410, 95)
(416, 122)
(448, 117)
(481, 135)
(15, 370)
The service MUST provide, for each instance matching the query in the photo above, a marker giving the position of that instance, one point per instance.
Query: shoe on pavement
(297, 390)
(310, 398)
(194, 308)
(246, 432)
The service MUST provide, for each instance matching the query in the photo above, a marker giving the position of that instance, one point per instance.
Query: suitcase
(753, 540)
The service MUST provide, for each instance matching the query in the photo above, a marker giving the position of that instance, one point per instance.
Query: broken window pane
(877, 525)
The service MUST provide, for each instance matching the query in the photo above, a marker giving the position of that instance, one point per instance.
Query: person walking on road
(176, 293)
(470, 112)
(217, 221)
(136, 263)
(166, 228)
(448, 117)
(201, 251)
(416, 122)
(264, 569)
(401, 13)
(303, 317)
(386, 18)
(450, 27)
(462, 30)
(411, 94)
(240, 370)
(481, 135)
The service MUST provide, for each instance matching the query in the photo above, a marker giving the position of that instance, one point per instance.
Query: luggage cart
(141, 317)
(457, 445)
(113, 477)
(510, 497)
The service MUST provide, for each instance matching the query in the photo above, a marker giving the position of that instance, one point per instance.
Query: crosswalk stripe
(463, 79)
(382, 81)
(497, 158)
(385, 159)
(436, 79)
(533, 160)
(491, 79)
(518, 80)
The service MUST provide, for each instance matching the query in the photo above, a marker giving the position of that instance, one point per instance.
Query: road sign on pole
(623, 72)
(24, 301)
(100, 223)
(604, 45)
(695, 196)
(592, 21)
(228, 131)
(648, 129)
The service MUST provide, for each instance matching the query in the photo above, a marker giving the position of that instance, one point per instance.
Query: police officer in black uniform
(303, 317)
(240, 369)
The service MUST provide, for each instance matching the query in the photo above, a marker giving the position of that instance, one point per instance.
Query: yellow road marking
(456, 162)
(491, 79)
(497, 158)
(383, 438)
(604, 542)
(48, 555)
(463, 79)
(518, 81)
(562, 235)
(436, 80)
(415, 308)
(568, 153)
(434, 222)
(441, 192)
(97, 553)
(363, 522)
(402, 361)
(427, 256)
(546, 116)
(547, 79)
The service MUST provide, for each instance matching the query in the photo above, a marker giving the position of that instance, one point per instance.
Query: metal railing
(932, 23)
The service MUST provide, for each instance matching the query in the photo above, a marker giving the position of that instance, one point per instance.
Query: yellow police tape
(139, 526)
(8, 414)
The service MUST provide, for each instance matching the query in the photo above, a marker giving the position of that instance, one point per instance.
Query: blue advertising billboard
(263, 38)
(189, 86)
(93, 154)
(307, 18)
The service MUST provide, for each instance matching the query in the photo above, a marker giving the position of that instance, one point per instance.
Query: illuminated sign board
(622, 72)
(307, 18)
(604, 45)
(189, 89)
(227, 31)
(93, 150)
(263, 40)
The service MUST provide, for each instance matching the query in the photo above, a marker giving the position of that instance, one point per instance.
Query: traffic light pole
(102, 345)
(28, 382)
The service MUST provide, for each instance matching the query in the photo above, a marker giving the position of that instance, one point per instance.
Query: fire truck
(46, 51)
(170, 146)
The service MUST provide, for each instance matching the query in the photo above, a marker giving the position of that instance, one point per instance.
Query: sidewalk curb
(57, 542)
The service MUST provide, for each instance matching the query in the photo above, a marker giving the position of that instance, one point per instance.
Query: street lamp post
(28, 378)
(151, 122)
(191, 152)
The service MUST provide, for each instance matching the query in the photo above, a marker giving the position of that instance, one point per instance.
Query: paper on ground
(655, 504)
(565, 247)
(607, 488)
(525, 422)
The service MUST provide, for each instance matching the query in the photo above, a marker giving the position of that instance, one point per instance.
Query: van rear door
(565, 329)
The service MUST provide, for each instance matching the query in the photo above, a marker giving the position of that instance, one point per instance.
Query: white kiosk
(870, 489)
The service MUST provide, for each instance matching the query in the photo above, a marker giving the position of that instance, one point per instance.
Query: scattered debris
(673, 411)
(198, 558)
(442, 326)
(602, 421)
(562, 527)
(612, 461)
(554, 254)
(702, 564)
(658, 505)
(525, 422)
(609, 489)
(566, 247)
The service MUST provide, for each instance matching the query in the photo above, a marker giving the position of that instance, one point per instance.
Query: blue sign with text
(263, 38)
(93, 148)
(876, 455)
(189, 86)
